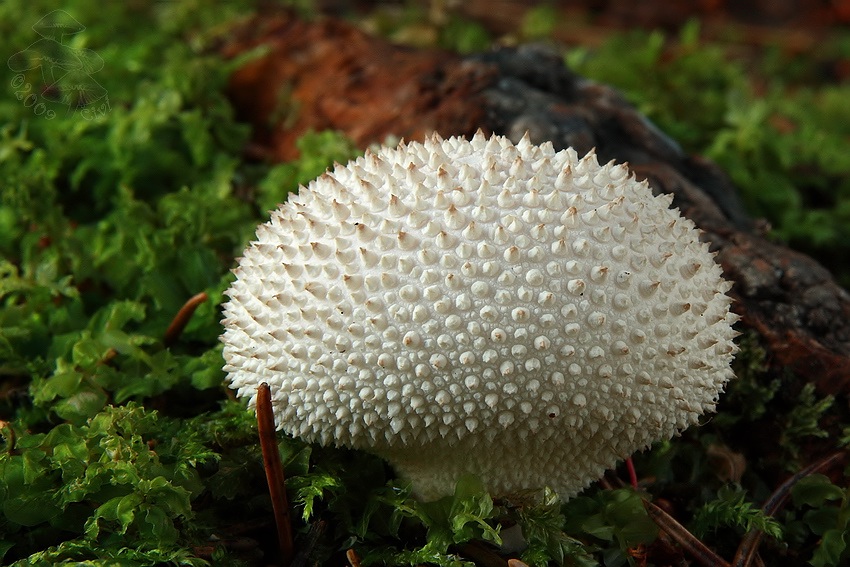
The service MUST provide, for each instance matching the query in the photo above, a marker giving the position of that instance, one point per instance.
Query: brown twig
(353, 558)
(748, 550)
(747, 553)
(274, 472)
(630, 467)
(688, 541)
(175, 329)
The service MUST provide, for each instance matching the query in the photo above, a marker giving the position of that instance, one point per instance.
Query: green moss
(118, 449)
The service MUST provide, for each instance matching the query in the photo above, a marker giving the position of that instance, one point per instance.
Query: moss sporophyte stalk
(478, 306)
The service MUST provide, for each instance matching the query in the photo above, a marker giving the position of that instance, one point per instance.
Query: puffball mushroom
(474, 306)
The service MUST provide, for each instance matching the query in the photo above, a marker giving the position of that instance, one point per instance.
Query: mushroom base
(506, 464)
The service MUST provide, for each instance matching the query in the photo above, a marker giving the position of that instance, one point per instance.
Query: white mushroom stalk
(457, 306)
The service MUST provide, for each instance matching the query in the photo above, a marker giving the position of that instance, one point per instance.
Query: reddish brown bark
(329, 75)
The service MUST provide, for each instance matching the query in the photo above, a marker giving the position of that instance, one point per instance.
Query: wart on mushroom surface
(481, 307)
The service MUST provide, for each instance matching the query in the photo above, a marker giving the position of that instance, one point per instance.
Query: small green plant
(823, 509)
(457, 519)
(542, 526)
(731, 509)
(753, 389)
(804, 420)
(614, 520)
(104, 482)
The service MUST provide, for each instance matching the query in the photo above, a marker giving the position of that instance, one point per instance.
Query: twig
(688, 541)
(175, 329)
(748, 550)
(353, 558)
(274, 472)
(630, 466)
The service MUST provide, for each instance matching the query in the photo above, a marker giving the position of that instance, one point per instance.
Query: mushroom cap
(474, 306)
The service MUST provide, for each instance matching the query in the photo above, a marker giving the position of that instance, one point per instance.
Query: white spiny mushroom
(481, 307)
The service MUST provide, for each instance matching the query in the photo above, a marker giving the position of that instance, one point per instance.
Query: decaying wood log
(327, 74)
